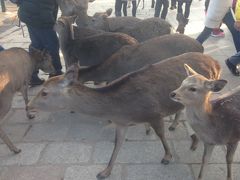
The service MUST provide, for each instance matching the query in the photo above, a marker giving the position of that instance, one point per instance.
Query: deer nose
(172, 94)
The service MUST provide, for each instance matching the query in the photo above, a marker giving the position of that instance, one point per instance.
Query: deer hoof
(171, 128)
(104, 174)
(16, 151)
(30, 116)
(165, 161)
(194, 142)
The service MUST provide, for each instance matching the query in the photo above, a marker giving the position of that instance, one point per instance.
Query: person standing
(219, 11)
(233, 63)
(40, 17)
(158, 7)
(134, 7)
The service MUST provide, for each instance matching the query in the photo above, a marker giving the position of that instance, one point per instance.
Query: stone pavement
(65, 146)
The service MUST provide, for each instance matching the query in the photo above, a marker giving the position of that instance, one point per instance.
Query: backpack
(17, 2)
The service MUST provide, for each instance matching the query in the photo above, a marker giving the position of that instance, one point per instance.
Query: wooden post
(3, 6)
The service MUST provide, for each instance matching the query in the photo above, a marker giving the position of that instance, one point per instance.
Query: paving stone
(90, 172)
(15, 132)
(90, 131)
(47, 132)
(162, 172)
(33, 173)
(65, 153)
(217, 171)
(185, 155)
(18, 102)
(29, 155)
(130, 152)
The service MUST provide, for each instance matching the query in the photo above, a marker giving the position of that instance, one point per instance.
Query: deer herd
(149, 73)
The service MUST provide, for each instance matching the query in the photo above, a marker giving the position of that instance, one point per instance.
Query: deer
(215, 120)
(90, 50)
(141, 30)
(138, 97)
(16, 68)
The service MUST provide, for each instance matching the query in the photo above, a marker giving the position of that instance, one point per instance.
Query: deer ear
(189, 70)
(109, 11)
(215, 85)
(71, 76)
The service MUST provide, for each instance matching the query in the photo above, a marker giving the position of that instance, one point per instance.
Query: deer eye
(192, 89)
(44, 93)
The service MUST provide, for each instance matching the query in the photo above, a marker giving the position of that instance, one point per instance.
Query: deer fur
(16, 67)
(91, 50)
(137, 97)
(216, 121)
(141, 30)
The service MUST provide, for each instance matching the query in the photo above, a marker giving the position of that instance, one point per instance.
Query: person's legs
(118, 7)
(50, 42)
(165, 9)
(134, 8)
(187, 9)
(124, 3)
(203, 36)
(229, 21)
(179, 7)
(158, 7)
(173, 4)
(35, 43)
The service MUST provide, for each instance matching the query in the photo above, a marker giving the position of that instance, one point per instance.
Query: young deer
(216, 122)
(137, 97)
(16, 67)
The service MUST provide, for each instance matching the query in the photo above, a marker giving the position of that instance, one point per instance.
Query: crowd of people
(40, 17)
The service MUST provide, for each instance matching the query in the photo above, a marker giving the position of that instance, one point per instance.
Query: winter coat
(216, 11)
(38, 13)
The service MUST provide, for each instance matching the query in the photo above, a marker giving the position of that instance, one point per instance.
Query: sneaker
(218, 33)
(58, 73)
(234, 70)
(36, 81)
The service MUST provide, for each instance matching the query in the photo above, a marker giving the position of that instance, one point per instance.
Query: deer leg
(158, 126)
(8, 142)
(231, 148)
(119, 138)
(193, 136)
(175, 121)
(148, 128)
(205, 159)
(24, 91)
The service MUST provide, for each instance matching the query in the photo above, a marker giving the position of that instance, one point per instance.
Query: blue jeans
(229, 21)
(235, 59)
(46, 39)
(158, 7)
(1, 48)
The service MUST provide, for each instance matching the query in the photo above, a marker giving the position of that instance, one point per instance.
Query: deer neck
(90, 102)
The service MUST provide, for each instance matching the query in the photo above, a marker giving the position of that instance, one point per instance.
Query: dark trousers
(229, 21)
(45, 39)
(187, 8)
(173, 3)
(118, 7)
(1, 48)
(134, 8)
(158, 7)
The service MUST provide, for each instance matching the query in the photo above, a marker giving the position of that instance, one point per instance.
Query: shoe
(234, 70)
(218, 33)
(58, 73)
(36, 81)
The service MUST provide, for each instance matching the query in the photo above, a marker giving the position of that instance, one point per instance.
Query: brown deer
(138, 97)
(16, 67)
(216, 121)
